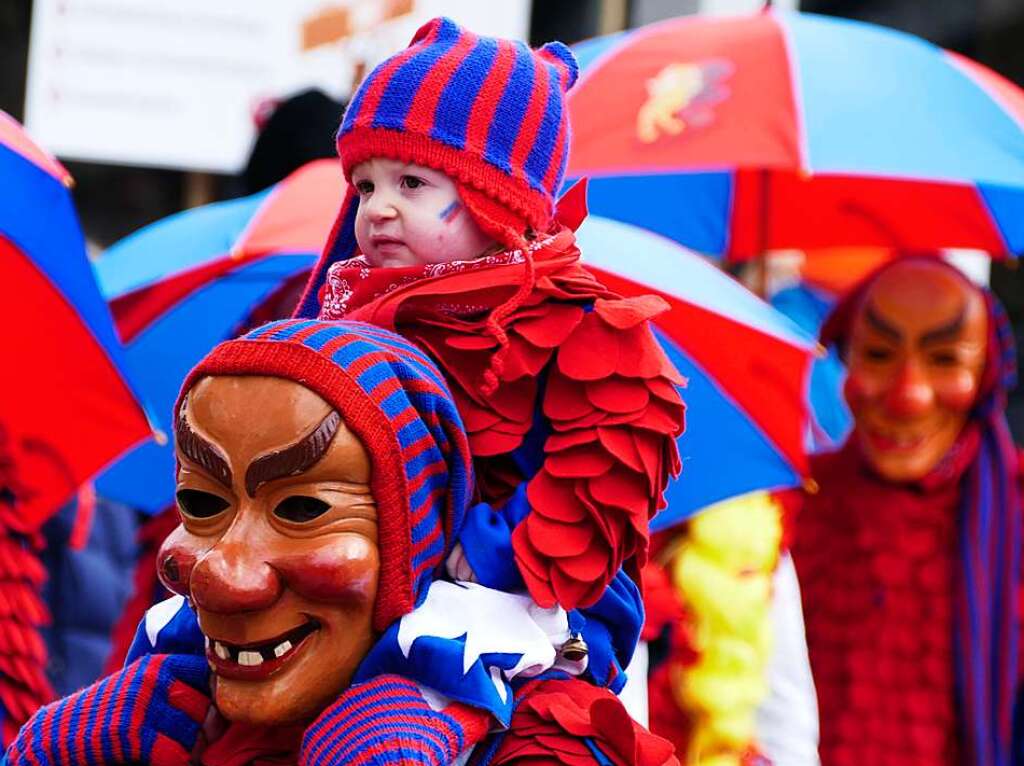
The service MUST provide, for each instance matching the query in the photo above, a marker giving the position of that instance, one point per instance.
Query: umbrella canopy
(182, 285)
(747, 365)
(67, 408)
(739, 135)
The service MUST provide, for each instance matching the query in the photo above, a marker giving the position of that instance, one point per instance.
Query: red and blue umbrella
(67, 408)
(182, 285)
(746, 363)
(747, 367)
(782, 130)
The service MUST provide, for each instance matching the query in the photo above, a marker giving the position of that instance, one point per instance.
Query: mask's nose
(234, 575)
(911, 393)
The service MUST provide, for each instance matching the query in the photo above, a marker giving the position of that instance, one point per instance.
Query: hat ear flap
(560, 55)
(341, 245)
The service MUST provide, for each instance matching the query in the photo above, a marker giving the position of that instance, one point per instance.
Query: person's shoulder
(572, 722)
(829, 467)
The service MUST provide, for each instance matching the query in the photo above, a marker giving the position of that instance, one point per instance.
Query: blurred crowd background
(123, 183)
(157, 108)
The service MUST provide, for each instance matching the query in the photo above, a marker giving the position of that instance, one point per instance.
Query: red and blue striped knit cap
(489, 113)
(394, 399)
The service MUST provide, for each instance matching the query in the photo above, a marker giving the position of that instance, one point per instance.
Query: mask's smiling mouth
(257, 659)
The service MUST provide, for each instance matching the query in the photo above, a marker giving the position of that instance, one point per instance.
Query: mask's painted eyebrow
(881, 325)
(945, 332)
(294, 459)
(199, 451)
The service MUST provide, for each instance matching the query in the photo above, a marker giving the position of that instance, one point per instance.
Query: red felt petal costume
(582, 355)
(876, 564)
(551, 724)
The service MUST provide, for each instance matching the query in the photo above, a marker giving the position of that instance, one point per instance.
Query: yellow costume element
(722, 569)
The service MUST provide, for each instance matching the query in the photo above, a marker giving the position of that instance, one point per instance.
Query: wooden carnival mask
(916, 355)
(277, 547)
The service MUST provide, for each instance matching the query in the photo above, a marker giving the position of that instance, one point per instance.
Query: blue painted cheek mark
(448, 214)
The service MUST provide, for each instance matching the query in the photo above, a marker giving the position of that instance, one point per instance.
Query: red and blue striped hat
(394, 399)
(489, 113)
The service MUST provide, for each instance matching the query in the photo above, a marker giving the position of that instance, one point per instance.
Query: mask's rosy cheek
(339, 569)
(176, 559)
(860, 389)
(958, 392)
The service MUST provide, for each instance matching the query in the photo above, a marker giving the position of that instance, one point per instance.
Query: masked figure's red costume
(909, 555)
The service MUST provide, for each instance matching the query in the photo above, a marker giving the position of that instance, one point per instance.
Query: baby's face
(410, 215)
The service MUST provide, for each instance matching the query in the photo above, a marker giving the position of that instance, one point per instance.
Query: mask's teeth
(221, 651)
(250, 659)
(282, 648)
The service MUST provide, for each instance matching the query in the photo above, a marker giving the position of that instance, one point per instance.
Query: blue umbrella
(184, 284)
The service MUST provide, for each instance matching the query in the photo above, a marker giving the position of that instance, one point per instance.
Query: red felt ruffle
(550, 724)
(610, 399)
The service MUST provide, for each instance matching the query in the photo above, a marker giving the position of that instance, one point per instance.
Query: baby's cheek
(177, 559)
(341, 569)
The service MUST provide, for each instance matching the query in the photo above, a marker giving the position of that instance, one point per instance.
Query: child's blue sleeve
(170, 627)
(611, 627)
(486, 539)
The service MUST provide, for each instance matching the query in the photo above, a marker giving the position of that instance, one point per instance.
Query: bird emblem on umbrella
(681, 96)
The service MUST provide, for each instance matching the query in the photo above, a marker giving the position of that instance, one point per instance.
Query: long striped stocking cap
(394, 399)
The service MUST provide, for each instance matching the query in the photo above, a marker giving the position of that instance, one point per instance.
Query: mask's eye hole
(300, 508)
(877, 354)
(199, 504)
(945, 359)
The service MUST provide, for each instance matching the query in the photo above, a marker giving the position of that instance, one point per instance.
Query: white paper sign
(175, 84)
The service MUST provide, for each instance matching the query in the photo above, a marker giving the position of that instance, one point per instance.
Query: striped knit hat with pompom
(489, 113)
(394, 399)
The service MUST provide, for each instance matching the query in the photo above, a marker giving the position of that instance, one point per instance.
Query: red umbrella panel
(777, 130)
(67, 406)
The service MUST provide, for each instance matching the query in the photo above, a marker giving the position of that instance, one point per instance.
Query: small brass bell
(575, 649)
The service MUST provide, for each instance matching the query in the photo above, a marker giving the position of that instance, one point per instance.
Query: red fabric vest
(876, 563)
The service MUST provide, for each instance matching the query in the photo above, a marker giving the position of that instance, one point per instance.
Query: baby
(454, 149)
